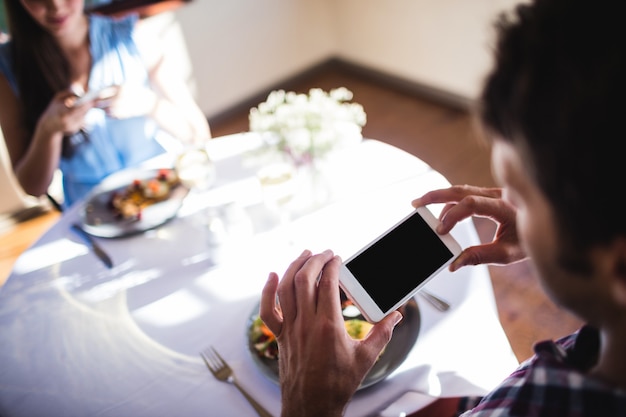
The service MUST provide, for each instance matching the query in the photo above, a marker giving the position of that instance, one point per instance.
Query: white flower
(309, 126)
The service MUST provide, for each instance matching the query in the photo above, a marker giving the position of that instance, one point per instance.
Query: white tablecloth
(77, 339)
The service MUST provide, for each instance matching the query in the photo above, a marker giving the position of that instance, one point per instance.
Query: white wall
(444, 44)
(238, 48)
(241, 47)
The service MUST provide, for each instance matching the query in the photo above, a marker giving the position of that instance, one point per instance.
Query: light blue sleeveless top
(113, 144)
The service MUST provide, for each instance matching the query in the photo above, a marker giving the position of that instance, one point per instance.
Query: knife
(97, 249)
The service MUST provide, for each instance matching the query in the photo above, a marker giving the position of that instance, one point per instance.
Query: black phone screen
(399, 261)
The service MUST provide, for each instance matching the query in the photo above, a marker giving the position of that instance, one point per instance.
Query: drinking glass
(195, 169)
(278, 184)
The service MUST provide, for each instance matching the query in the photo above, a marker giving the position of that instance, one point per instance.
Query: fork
(223, 372)
(435, 300)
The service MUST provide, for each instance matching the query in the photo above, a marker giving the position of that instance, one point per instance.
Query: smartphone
(101, 94)
(386, 273)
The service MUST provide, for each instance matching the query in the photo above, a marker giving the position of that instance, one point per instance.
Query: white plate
(99, 219)
(404, 337)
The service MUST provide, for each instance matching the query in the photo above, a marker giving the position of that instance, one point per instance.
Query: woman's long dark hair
(40, 67)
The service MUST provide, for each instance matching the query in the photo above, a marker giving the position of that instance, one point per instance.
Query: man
(552, 108)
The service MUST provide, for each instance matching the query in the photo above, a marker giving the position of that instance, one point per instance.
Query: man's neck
(611, 366)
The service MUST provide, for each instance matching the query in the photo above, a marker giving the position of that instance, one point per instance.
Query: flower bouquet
(306, 127)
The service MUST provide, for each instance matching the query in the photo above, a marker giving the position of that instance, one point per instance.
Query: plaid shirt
(554, 382)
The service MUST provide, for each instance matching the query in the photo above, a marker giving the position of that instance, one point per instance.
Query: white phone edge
(364, 302)
(95, 94)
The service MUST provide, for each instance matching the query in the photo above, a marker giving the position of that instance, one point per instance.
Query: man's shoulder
(555, 382)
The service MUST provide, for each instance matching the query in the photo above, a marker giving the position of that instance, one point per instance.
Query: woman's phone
(101, 94)
(391, 269)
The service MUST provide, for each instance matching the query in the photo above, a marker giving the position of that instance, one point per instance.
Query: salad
(265, 344)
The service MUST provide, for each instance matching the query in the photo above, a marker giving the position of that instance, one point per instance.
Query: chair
(15, 203)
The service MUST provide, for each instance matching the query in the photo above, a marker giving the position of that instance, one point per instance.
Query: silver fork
(436, 301)
(220, 370)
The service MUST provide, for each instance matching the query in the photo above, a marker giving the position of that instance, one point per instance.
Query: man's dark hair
(557, 93)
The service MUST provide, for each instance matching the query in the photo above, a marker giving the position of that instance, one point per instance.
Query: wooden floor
(445, 137)
(442, 136)
(16, 239)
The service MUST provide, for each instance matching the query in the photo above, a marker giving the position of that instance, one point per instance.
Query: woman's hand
(129, 101)
(463, 201)
(321, 366)
(62, 115)
(35, 164)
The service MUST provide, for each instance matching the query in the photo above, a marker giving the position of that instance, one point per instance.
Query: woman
(55, 53)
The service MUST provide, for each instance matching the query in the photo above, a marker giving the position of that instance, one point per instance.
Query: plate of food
(264, 349)
(132, 201)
